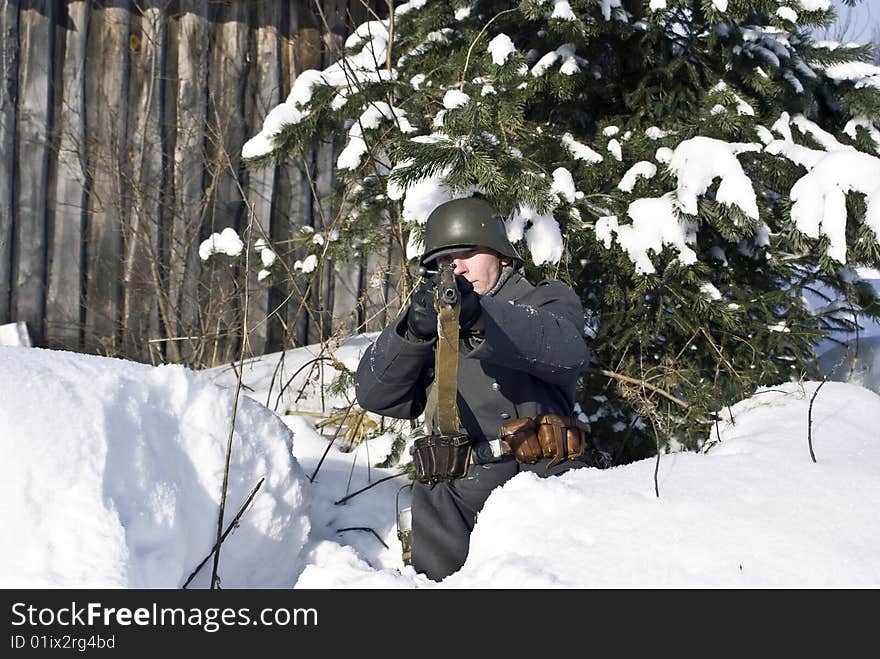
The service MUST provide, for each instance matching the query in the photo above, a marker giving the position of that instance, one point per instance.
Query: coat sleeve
(541, 334)
(393, 374)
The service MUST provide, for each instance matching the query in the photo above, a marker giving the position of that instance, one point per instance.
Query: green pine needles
(703, 172)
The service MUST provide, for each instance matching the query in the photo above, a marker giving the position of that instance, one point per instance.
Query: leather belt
(489, 451)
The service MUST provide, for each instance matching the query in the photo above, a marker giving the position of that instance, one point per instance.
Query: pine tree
(696, 169)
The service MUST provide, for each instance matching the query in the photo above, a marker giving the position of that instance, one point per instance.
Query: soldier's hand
(421, 319)
(470, 304)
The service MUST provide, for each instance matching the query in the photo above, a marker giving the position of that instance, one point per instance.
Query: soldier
(520, 355)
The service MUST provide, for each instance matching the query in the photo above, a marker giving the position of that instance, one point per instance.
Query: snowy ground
(113, 473)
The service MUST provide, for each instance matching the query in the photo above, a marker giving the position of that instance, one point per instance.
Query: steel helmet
(466, 223)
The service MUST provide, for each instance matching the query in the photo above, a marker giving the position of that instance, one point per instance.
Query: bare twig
(477, 38)
(278, 367)
(311, 362)
(364, 528)
(364, 489)
(653, 427)
(810, 419)
(238, 387)
(327, 450)
(229, 528)
(235, 370)
(642, 383)
(657, 461)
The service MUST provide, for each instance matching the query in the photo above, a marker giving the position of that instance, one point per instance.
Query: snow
(226, 242)
(867, 125)
(656, 224)
(702, 165)
(345, 76)
(698, 161)
(351, 156)
(787, 13)
(563, 184)
(15, 334)
(134, 454)
(820, 201)
(455, 99)
(815, 5)
(656, 133)
(562, 11)
(500, 48)
(407, 7)
(579, 150)
(306, 265)
(267, 257)
(115, 483)
(642, 168)
(614, 149)
(543, 237)
(115, 471)
(710, 291)
(607, 6)
(861, 73)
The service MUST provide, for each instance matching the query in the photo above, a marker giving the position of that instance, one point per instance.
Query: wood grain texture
(8, 99)
(68, 184)
(32, 130)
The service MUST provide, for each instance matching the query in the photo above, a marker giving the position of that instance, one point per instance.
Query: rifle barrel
(448, 289)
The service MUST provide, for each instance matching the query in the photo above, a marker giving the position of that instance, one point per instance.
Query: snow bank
(752, 511)
(113, 472)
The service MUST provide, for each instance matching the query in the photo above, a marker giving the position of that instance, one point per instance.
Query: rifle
(448, 303)
(447, 290)
(445, 455)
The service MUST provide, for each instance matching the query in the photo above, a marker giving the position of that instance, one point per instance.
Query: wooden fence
(121, 127)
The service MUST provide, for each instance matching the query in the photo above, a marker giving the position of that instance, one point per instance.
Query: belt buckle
(494, 447)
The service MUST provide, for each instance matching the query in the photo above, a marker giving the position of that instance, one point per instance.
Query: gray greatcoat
(530, 358)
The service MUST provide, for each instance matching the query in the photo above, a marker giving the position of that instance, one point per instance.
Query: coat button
(505, 415)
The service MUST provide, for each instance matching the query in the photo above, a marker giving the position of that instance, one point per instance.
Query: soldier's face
(481, 267)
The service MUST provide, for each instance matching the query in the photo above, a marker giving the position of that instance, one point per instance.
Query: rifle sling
(446, 370)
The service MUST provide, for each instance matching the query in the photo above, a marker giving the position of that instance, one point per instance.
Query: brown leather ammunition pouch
(552, 436)
(561, 437)
(441, 457)
(520, 437)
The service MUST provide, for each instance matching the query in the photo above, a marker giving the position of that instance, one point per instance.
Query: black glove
(470, 304)
(421, 319)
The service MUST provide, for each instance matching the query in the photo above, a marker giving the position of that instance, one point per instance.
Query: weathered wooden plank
(292, 212)
(347, 287)
(321, 318)
(33, 127)
(293, 209)
(263, 95)
(228, 65)
(396, 291)
(324, 208)
(376, 310)
(109, 140)
(8, 96)
(142, 287)
(305, 48)
(67, 182)
(107, 78)
(190, 35)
